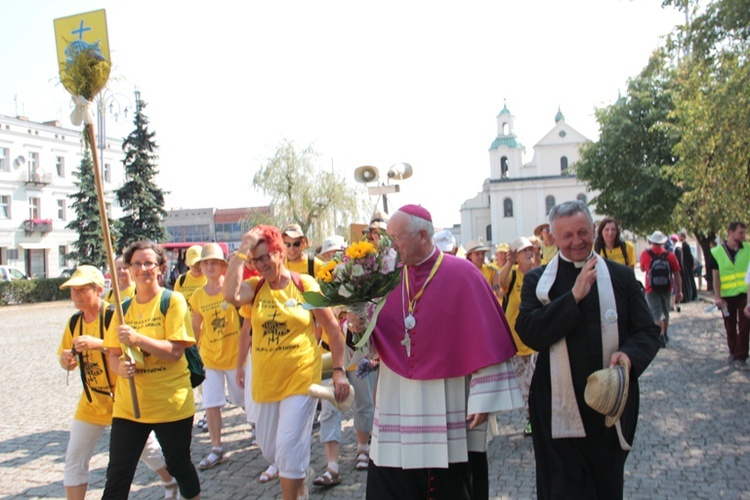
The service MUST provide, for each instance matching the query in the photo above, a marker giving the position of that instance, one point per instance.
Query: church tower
(506, 153)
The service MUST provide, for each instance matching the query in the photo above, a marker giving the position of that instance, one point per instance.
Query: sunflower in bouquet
(363, 275)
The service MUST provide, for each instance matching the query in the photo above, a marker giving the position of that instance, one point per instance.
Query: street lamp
(367, 174)
(107, 101)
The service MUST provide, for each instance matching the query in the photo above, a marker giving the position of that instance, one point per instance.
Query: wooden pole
(110, 252)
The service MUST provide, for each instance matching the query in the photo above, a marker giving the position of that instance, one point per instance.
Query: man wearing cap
(519, 262)
(82, 346)
(501, 255)
(377, 226)
(444, 346)
(660, 300)
(193, 279)
(729, 265)
(581, 313)
(476, 252)
(549, 249)
(296, 243)
(445, 242)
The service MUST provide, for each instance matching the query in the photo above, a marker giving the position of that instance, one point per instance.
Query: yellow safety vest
(732, 274)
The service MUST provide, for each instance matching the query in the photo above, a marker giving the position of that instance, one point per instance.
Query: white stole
(566, 419)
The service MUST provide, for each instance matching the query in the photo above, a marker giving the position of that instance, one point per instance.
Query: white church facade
(518, 196)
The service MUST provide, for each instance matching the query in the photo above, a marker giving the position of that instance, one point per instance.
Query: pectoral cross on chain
(407, 343)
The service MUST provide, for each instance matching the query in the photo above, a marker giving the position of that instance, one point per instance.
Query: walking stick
(83, 58)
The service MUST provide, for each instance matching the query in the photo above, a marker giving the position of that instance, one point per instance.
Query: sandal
(362, 460)
(328, 478)
(213, 459)
(269, 474)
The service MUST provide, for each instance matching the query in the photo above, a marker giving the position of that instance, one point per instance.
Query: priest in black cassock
(582, 313)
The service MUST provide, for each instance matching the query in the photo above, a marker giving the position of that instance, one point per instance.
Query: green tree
(140, 198)
(89, 247)
(627, 164)
(712, 108)
(320, 201)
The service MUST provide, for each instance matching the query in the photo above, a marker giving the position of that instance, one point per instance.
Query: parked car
(8, 273)
(67, 272)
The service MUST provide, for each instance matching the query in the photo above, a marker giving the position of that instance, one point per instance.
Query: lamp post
(107, 101)
(368, 173)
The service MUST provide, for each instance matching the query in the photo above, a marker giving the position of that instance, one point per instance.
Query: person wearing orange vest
(729, 265)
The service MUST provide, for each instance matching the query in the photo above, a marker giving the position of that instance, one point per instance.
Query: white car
(8, 273)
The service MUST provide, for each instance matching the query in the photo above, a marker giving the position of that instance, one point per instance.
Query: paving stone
(693, 438)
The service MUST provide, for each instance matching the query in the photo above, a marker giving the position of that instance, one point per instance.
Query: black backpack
(660, 273)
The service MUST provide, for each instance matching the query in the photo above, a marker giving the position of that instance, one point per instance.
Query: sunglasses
(296, 244)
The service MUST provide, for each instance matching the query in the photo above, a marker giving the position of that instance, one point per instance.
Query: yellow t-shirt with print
(511, 313)
(99, 410)
(163, 387)
(190, 285)
(286, 358)
(129, 292)
(220, 333)
(615, 255)
(301, 265)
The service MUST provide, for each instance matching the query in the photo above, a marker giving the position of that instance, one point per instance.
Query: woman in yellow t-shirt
(124, 282)
(216, 324)
(610, 245)
(285, 355)
(160, 373)
(82, 344)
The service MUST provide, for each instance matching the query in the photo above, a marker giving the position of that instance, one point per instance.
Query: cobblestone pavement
(693, 439)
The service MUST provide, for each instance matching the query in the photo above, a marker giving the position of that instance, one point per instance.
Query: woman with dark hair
(286, 359)
(154, 328)
(610, 245)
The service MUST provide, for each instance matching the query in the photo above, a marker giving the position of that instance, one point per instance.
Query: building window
(504, 167)
(581, 197)
(488, 232)
(61, 260)
(35, 208)
(61, 210)
(107, 172)
(229, 231)
(60, 166)
(4, 159)
(108, 209)
(550, 202)
(4, 206)
(563, 164)
(507, 207)
(33, 162)
(506, 128)
(12, 254)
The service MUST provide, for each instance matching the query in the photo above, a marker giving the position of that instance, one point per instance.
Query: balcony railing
(41, 225)
(37, 179)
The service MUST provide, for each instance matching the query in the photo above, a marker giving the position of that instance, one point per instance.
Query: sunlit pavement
(693, 438)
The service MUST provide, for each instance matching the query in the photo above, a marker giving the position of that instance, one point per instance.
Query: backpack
(105, 318)
(659, 273)
(193, 357)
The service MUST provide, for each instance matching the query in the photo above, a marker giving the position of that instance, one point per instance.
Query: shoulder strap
(108, 313)
(73, 322)
(624, 250)
(310, 266)
(298, 281)
(126, 305)
(506, 297)
(295, 278)
(166, 297)
(182, 279)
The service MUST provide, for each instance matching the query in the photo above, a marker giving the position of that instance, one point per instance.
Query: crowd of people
(556, 323)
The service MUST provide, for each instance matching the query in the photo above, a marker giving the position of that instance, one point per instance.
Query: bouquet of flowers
(363, 275)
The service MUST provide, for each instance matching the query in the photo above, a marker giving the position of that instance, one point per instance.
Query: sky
(363, 83)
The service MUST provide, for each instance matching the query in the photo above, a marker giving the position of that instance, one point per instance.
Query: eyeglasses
(296, 244)
(259, 260)
(144, 265)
